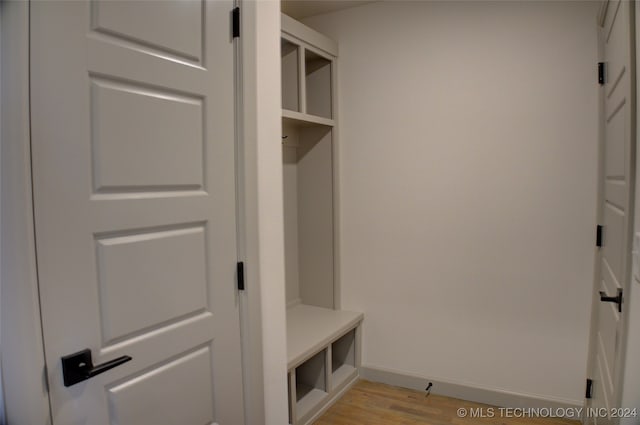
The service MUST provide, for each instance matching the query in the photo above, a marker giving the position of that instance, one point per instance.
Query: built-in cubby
(311, 383)
(308, 74)
(309, 228)
(290, 62)
(318, 84)
(322, 340)
(323, 356)
(343, 359)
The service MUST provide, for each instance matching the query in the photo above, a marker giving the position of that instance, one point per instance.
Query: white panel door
(616, 204)
(133, 165)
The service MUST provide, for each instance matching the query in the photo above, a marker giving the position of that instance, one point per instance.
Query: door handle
(617, 299)
(78, 367)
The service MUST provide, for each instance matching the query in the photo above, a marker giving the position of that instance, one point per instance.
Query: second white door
(608, 335)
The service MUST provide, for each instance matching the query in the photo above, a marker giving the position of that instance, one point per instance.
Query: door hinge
(601, 73)
(589, 390)
(235, 22)
(240, 275)
(598, 235)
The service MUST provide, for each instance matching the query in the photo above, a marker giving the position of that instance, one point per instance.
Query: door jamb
(23, 367)
(263, 244)
(600, 195)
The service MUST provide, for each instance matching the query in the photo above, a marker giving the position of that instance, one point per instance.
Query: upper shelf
(308, 72)
(304, 120)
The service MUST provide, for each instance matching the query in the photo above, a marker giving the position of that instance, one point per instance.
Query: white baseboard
(491, 396)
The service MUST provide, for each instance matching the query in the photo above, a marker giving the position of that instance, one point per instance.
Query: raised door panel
(134, 401)
(150, 278)
(145, 139)
(149, 23)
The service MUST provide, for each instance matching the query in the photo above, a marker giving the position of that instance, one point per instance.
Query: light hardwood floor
(370, 403)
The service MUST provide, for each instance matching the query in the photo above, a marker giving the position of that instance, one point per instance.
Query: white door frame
(24, 380)
(261, 215)
(261, 233)
(595, 301)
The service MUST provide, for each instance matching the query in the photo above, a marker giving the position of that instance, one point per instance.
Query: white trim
(305, 35)
(336, 150)
(595, 285)
(250, 310)
(263, 212)
(23, 364)
(630, 371)
(487, 395)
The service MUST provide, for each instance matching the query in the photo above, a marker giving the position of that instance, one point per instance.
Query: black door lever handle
(78, 367)
(617, 299)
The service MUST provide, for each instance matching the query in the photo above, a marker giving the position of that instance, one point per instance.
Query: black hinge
(235, 22)
(589, 391)
(240, 275)
(601, 76)
(598, 235)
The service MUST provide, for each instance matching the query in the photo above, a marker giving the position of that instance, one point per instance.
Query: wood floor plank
(371, 403)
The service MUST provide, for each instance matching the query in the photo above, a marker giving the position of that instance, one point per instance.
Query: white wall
(468, 188)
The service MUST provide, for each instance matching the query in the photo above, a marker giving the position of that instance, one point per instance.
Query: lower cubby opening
(343, 358)
(311, 384)
(322, 350)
